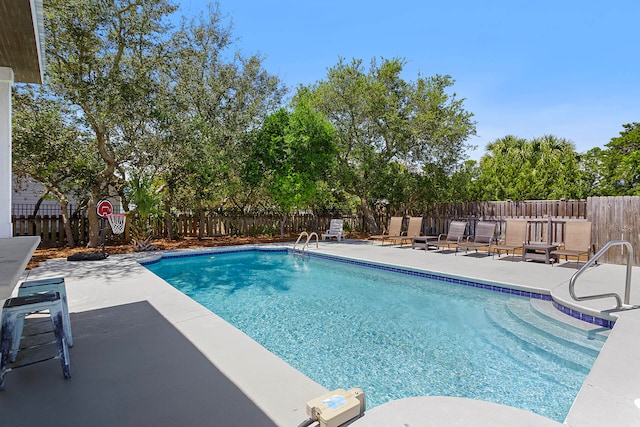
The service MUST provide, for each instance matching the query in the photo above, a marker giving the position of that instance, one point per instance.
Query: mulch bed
(43, 254)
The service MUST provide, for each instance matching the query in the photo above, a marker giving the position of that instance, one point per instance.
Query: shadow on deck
(129, 367)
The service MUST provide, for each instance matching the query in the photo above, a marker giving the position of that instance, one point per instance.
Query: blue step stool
(18, 307)
(29, 287)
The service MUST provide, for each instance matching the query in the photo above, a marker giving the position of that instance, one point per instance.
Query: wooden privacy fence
(615, 218)
(51, 230)
(612, 218)
(248, 225)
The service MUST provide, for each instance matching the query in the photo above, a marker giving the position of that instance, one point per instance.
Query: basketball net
(117, 222)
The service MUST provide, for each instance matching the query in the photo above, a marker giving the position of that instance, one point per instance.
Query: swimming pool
(394, 335)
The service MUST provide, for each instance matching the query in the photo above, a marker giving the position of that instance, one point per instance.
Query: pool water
(393, 335)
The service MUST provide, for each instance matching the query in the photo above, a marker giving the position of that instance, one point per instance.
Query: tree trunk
(282, 222)
(64, 210)
(369, 217)
(200, 223)
(36, 208)
(94, 223)
(168, 224)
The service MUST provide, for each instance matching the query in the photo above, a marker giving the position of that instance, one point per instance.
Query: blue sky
(527, 68)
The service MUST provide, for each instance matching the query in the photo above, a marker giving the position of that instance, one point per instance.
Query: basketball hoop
(117, 222)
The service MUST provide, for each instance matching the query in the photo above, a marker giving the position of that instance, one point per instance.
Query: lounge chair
(395, 226)
(413, 229)
(484, 237)
(335, 230)
(453, 237)
(577, 240)
(514, 238)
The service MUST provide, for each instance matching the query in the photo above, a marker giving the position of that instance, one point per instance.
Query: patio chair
(515, 236)
(453, 237)
(413, 229)
(484, 237)
(395, 226)
(577, 241)
(335, 230)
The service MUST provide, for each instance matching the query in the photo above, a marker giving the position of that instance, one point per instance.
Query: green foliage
(102, 57)
(49, 145)
(212, 98)
(292, 155)
(128, 97)
(615, 171)
(539, 169)
(387, 126)
(144, 195)
(263, 230)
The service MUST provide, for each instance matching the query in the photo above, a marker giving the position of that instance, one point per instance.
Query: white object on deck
(15, 254)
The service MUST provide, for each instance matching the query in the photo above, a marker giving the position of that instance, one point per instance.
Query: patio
(145, 354)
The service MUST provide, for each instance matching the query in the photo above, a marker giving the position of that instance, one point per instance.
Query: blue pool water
(394, 335)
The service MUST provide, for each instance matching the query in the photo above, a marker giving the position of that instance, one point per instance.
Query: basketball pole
(102, 232)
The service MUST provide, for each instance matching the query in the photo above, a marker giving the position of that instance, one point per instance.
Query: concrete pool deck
(145, 354)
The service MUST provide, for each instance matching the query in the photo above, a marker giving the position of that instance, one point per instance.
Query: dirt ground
(43, 254)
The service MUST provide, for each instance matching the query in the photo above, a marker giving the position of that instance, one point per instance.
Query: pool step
(546, 310)
(535, 345)
(537, 362)
(523, 311)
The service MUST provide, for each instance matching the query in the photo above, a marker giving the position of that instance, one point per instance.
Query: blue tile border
(584, 317)
(440, 277)
(448, 279)
(205, 252)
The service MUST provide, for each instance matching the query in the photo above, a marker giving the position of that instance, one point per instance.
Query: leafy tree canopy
(542, 168)
(615, 171)
(385, 124)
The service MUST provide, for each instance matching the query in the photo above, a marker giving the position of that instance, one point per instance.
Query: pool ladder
(306, 243)
(627, 288)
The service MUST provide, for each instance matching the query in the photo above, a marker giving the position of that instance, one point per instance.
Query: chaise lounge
(484, 237)
(413, 229)
(335, 230)
(395, 226)
(453, 237)
(577, 241)
(515, 236)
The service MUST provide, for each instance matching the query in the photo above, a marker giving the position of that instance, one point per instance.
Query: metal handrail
(306, 243)
(627, 288)
(304, 233)
(308, 239)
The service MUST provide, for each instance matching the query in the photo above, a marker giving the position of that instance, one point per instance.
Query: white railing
(306, 243)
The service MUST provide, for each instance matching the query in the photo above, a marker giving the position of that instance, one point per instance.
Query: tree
(102, 57)
(50, 147)
(212, 97)
(542, 168)
(292, 157)
(385, 124)
(147, 204)
(616, 169)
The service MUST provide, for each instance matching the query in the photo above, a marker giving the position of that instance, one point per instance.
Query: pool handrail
(306, 243)
(304, 233)
(627, 288)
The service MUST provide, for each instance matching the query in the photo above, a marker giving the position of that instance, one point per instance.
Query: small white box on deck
(337, 407)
